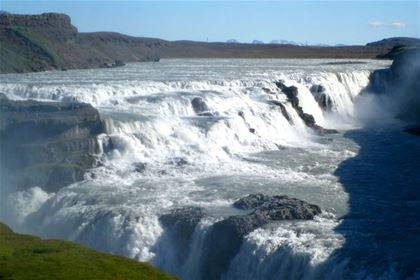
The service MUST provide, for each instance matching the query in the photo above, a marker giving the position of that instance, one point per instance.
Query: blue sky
(330, 22)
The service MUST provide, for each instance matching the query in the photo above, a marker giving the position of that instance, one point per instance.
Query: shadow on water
(382, 227)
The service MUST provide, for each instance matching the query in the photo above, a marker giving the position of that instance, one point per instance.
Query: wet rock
(277, 207)
(139, 167)
(178, 161)
(180, 225)
(291, 93)
(324, 101)
(225, 237)
(283, 110)
(315, 89)
(322, 131)
(199, 105)
(3, 95)
(47, 144)
(186, 218)
(251, 201)
(205, 114)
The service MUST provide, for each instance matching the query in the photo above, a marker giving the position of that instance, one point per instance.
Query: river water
(165, 155)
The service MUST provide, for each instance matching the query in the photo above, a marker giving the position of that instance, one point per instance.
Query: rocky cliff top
(43, 20)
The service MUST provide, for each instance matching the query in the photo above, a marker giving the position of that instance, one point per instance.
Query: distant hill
(257, 42)
(396, 41)
(50, 42)
(232, 41)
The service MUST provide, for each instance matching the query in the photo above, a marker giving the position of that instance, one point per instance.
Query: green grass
(29, 257)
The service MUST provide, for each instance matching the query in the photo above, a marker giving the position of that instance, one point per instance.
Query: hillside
(396, 41)
(49, 41)
(29, 257)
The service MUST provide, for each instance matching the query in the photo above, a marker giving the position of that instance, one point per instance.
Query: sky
(312, 22)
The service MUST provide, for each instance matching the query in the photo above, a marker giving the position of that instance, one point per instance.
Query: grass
(29, 257)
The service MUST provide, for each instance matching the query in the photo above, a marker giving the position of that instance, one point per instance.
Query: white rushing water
(165, 156)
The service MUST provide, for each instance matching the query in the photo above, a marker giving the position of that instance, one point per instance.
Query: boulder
(199, 105)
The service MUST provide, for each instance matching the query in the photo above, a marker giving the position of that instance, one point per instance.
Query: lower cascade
(236, 170)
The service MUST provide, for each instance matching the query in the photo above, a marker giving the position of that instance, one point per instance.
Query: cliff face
(401, 82)
(49, 41)
(46, 144)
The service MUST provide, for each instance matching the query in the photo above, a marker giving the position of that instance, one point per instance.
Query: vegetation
(29, 257)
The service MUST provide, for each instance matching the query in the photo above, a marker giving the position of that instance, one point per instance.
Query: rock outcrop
(401, 82)
(47, 144)
(324, 101)
(224, 238)
(292, 96)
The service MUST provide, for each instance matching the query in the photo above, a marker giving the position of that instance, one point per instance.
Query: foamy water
(207, 161)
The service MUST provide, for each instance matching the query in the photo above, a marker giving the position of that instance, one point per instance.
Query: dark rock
(119, 63)
(278, 207)
(380, 80)
(205, 114)
(3, 96)
(180, 225)
(185, 218)
(315, 89)
(47, 144)
(116, 63)
(225, 237)
(241, 114)
(309, 120)
(252, 130)
(199, 105)
(324, 101)
(283, 110)
(322, 131)
(251, 201)
(139, 167)
(291, 93)
(178, 161)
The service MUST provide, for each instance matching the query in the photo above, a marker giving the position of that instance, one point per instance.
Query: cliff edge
(46, 144)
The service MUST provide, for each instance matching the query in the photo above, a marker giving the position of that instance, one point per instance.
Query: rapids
(162, 155)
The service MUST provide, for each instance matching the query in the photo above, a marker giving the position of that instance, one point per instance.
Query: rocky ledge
(224, 238)
(46, 144)
(292, 96)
